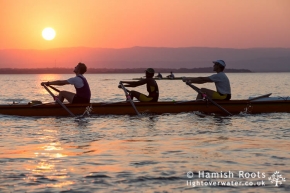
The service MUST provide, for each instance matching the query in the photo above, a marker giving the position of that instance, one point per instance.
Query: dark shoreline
(112, 71)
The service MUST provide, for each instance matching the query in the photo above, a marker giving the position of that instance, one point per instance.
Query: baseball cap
(221, 62)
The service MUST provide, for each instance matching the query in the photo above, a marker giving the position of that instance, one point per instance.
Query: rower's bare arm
(134, 83)
(197, 80)
(127, 82)
(59, 82)
(56, 82)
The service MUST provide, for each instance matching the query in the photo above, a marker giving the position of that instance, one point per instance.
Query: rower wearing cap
(220, 79)
(151, 84)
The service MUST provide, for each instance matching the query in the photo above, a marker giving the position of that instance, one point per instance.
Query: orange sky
(156, 23)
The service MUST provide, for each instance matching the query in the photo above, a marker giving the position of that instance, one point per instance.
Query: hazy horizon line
(145, 47)
(131, 70)
(59, 70)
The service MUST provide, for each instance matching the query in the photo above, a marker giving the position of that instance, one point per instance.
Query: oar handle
(58, 101)
(129, 98)
(198, 91)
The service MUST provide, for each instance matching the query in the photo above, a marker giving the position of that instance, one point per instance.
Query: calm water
(151, 153)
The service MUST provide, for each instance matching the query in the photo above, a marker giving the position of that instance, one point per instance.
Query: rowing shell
(125, 108)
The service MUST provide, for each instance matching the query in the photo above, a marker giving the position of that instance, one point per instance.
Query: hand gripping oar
(199, 92)
(129, 98)
(58, 101)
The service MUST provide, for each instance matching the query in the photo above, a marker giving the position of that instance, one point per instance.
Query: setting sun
(48, 33)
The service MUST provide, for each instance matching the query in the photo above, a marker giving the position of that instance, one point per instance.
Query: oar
(54, 88)
(198, 91)
(259, 97)
(129, 98)
(58, 101)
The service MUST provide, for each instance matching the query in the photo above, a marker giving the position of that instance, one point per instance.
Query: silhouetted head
(149, 72)
(219, 64)
(81, 68)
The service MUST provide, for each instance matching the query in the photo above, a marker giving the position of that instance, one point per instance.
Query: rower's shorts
(144, 98)
(80, 100)
(218, 96)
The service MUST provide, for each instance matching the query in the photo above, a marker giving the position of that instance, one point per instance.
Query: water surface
(151, 153)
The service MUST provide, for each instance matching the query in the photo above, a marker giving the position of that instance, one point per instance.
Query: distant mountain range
(254, 59)
(109, 70)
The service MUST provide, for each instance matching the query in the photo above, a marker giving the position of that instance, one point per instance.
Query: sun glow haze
(151, 23)
(48, 33)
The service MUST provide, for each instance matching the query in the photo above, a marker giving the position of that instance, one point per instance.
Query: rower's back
(152, 88)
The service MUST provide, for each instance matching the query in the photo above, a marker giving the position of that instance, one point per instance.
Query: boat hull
(125, 108)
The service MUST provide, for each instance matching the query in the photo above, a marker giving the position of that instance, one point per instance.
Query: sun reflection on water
(52, 147)
(48, 167)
